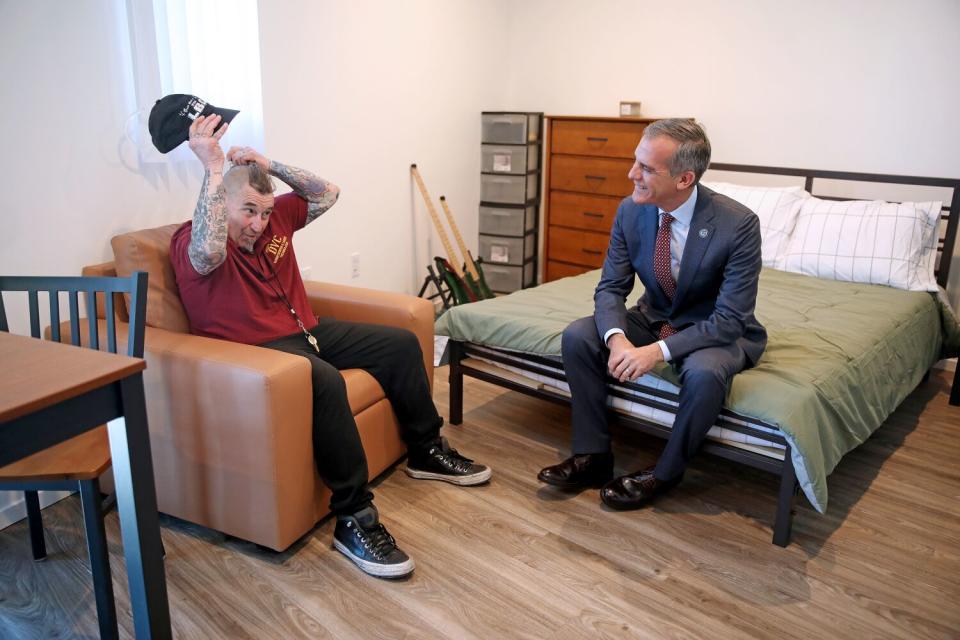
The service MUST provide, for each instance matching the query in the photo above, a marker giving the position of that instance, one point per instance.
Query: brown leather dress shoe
(635, 490)
(579, 472)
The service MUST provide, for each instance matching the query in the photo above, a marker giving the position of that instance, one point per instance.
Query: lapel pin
(703, 233)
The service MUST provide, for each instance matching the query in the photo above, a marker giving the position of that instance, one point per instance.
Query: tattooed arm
(319, 194)
(208, 238)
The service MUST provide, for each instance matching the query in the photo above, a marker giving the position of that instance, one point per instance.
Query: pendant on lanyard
(307, 334)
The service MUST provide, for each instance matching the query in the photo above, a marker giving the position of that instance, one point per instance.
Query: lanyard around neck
(283, 296)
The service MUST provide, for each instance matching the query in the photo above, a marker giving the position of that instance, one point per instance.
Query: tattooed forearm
(208, 239)
(319, 194)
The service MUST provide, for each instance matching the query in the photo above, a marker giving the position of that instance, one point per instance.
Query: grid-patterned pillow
(777, 208)
(875, 242)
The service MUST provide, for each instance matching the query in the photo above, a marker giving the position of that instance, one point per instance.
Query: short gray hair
(693, 150)
(240, 175)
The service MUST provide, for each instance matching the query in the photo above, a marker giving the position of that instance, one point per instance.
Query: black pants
(392, 356)
(704, 377)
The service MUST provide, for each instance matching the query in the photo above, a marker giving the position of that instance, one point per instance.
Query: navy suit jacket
(717, 286)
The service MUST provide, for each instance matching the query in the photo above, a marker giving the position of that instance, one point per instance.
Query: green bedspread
(841, 356)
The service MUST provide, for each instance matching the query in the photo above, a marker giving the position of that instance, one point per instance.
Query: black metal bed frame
(789, 486)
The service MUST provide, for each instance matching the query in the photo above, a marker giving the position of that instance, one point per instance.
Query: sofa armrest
(356, 304)
(246, 398)
(231, 433)
(219, 353)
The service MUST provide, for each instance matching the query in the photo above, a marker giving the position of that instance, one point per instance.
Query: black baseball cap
(172, 115)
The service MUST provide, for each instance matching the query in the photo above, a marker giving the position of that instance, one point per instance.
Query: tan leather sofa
(230, 424)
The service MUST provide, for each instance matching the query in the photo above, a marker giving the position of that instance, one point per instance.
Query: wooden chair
(78, 463)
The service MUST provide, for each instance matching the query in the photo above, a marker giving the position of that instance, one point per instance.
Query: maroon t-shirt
(240, 300)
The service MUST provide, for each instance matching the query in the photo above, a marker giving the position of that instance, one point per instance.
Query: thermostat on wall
(629, 109)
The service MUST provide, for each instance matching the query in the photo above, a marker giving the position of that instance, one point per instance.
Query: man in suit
(697, 254)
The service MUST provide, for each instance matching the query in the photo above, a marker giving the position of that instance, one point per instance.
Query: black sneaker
(440, 461)
(366, 542)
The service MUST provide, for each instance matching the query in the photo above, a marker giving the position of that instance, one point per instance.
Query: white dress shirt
(682, 216)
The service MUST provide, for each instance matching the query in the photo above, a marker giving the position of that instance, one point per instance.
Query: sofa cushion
(149, 250)
(363, 390)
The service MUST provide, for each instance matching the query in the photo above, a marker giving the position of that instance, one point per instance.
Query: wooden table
(50, 392)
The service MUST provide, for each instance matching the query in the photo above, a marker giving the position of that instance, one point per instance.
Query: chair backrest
(135, 285)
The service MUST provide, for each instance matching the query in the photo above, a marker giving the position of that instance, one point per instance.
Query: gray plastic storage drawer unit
(507, 189)
(507, 220)
(506, 250)
(511, 144)
(506, 278)
(511, 159)
(510, 128)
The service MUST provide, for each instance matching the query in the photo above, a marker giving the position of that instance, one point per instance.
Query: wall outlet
(354, 266)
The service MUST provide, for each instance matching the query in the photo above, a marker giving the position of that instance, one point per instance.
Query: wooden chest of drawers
(587, 163)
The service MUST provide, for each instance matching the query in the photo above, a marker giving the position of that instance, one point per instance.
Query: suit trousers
(705, 376)
(394, 358)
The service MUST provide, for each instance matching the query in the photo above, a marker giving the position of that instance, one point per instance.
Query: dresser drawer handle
(593, 252)
(592, 214)
(596, 139)
(595, 177)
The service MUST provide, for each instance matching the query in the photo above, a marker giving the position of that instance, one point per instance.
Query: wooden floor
(515, 560)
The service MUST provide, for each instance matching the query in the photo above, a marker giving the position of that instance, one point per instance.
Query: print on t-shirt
(277, 248)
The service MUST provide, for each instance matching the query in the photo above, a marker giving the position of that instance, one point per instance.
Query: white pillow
(867, 241)
(777, 208)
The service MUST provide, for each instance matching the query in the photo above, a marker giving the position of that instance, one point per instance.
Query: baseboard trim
(17, 510)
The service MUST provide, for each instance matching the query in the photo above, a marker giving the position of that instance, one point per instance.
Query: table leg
(137, 508)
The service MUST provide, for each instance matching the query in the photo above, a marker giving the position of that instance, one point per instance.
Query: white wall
(70, 180)
(357, 92)
(860, 85)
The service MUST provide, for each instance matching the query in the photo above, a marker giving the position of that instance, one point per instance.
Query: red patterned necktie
(661, 268)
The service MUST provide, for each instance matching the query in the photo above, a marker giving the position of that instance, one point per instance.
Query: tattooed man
(238, 279)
